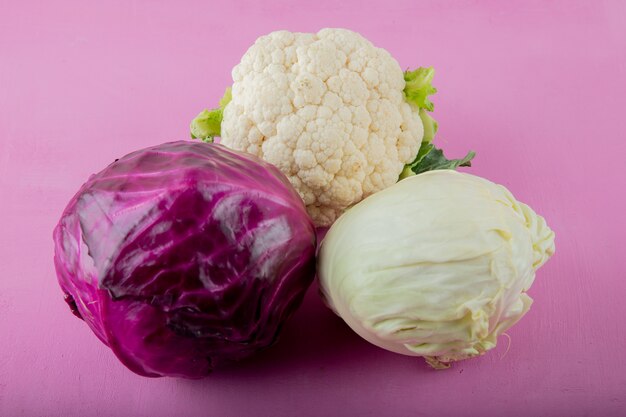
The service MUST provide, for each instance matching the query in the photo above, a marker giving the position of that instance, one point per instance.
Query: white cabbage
(437, 265)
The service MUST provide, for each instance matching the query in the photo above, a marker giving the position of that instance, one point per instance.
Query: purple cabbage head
(185, 256)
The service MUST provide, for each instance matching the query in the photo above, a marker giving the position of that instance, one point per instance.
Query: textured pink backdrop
(537, 88)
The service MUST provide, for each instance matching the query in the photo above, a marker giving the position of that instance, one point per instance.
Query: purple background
(537, 88)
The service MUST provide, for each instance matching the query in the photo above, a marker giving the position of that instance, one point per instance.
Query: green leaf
(430, 158)
(208, 123)
(430, 126)
(419, 86)
(226, 98)
(424, 150)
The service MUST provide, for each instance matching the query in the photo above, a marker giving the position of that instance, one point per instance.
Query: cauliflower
(330, 110)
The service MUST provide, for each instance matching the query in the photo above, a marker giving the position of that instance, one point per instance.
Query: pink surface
(536, 88)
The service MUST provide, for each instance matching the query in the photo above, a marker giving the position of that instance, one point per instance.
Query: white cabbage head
(437, 265)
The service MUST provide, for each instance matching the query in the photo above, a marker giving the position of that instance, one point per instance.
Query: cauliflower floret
(328, 110)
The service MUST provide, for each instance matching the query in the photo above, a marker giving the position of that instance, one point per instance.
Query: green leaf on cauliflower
(430, 158)
(430, 126)
(418, 86)
(208, 123)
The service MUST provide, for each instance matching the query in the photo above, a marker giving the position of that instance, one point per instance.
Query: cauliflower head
(328, 110)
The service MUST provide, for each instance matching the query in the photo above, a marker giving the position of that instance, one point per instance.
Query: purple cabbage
(185, 256)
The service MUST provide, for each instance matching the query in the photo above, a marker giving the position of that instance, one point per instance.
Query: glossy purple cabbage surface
(185, 256)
